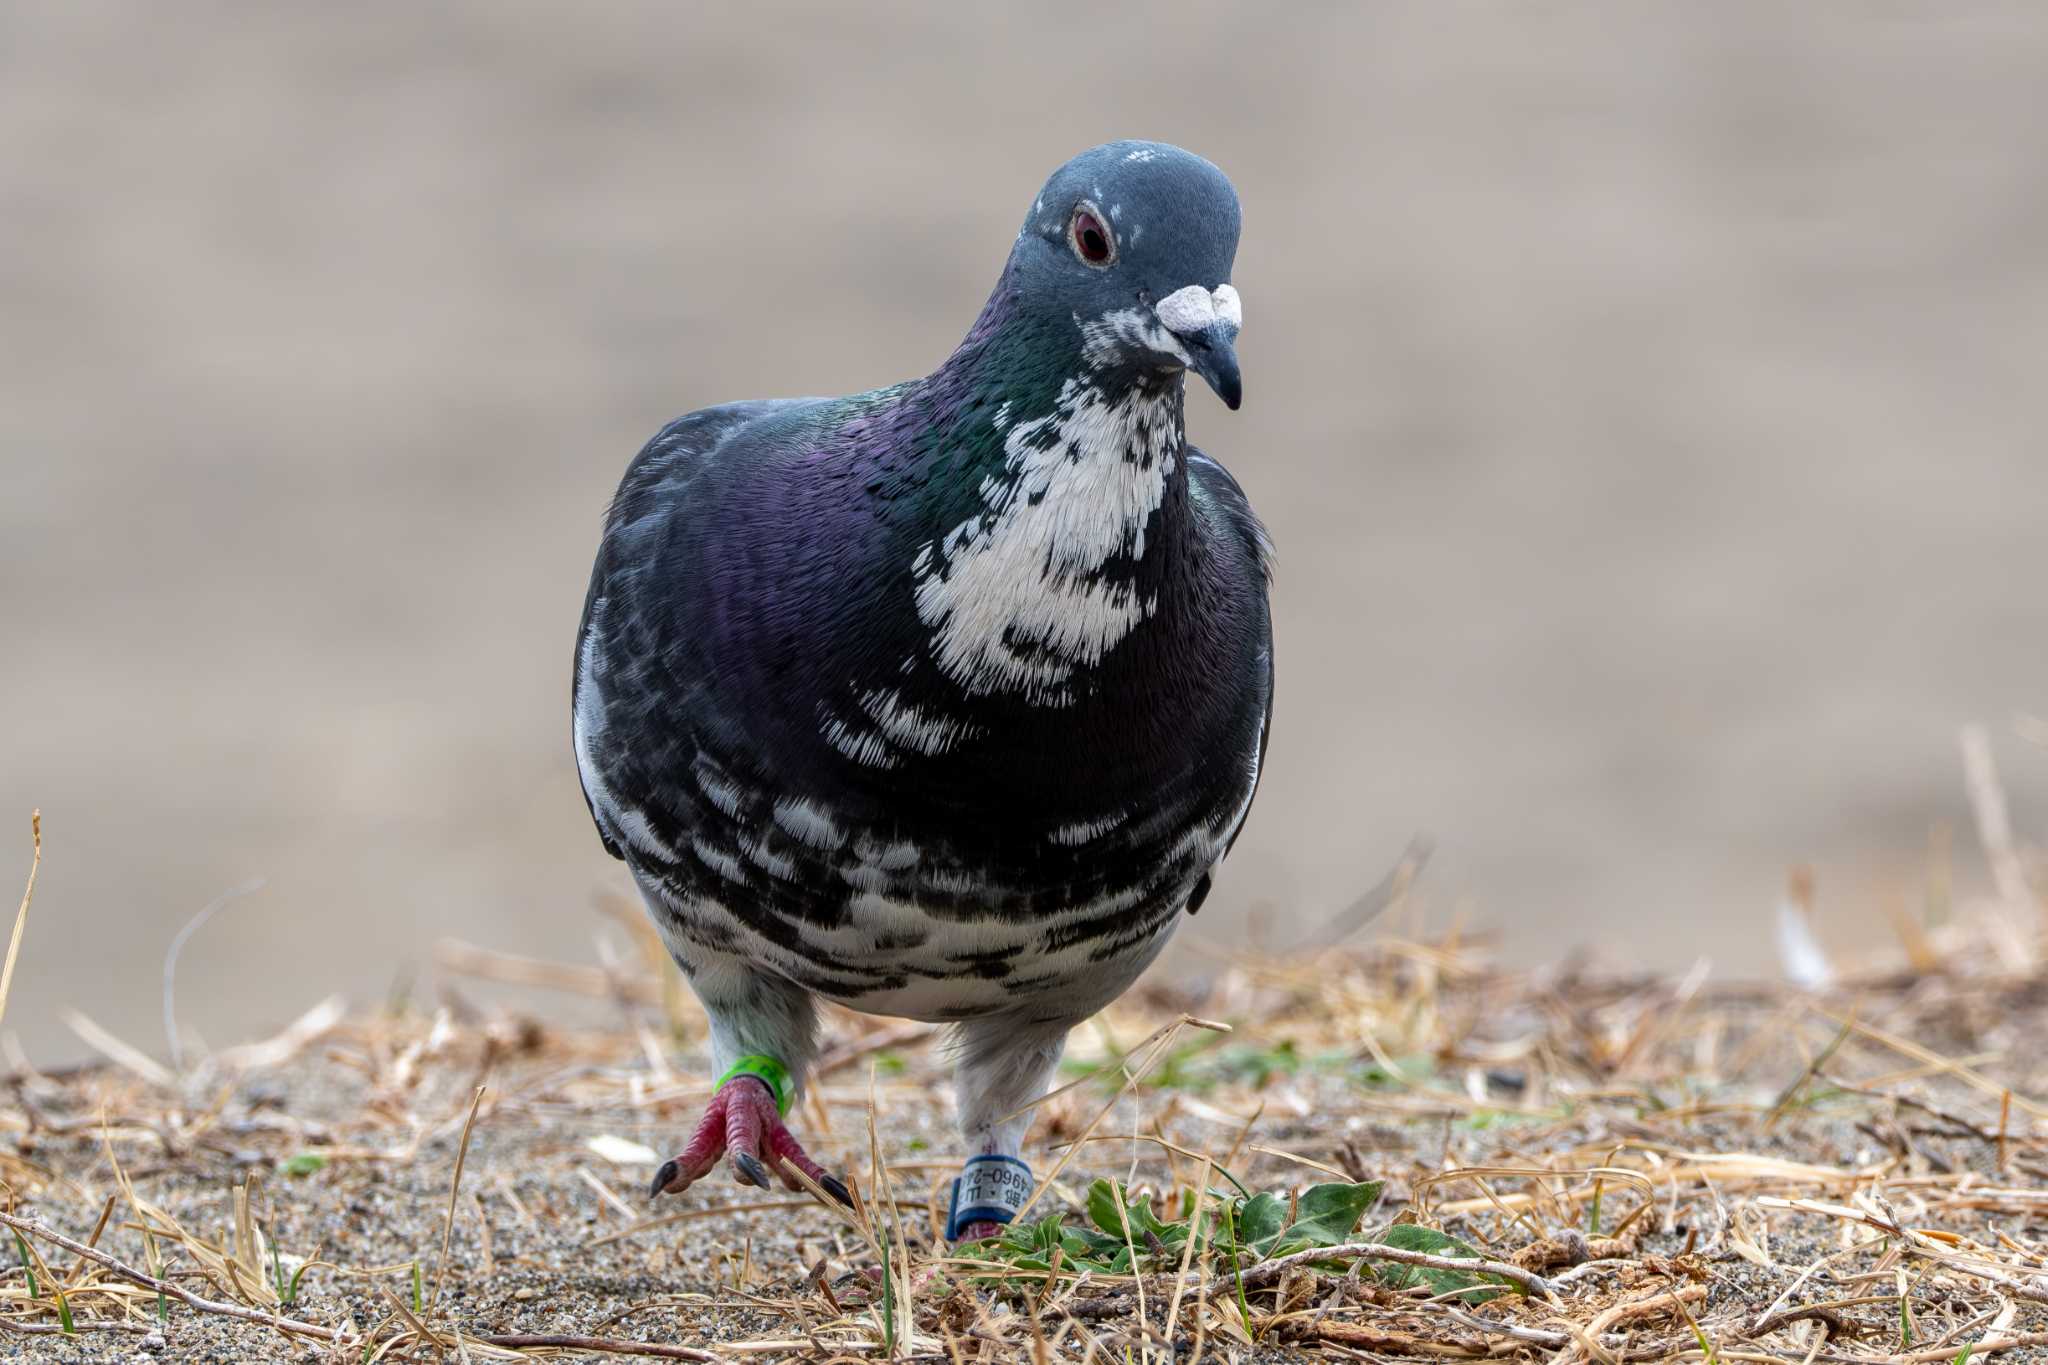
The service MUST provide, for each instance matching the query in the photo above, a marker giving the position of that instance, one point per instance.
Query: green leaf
(1329, 1213)
(1260, 1221)
(1104, 1199)
(304, 1164)
(28, 1266)
(1476, 1287)
(1102, 1209)
(1030, 1246)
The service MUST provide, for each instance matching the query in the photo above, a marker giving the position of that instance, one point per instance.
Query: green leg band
(767, 1070)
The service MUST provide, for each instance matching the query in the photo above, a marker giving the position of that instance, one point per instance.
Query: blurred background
(1646, 400)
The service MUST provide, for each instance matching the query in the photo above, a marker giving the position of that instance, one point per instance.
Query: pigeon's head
(1133, 241)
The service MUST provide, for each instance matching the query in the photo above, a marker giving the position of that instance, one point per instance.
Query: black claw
(751, 1169)
(836, 1190)
(662, 1178)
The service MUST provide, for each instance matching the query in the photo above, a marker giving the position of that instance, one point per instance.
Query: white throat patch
(1084, 480)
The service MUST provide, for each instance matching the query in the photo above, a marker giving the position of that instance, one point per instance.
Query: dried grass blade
(178, 1292)
(35, 824)
(454, 1189)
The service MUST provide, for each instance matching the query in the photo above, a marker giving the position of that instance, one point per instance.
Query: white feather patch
(1022, 570)
(723, 792)
(718, 860)
(911, 726)
(862, 746)
(809, 823)
(1085, 831)
(1113, 337)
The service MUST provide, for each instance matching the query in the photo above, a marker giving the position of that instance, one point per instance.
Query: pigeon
(943, 701)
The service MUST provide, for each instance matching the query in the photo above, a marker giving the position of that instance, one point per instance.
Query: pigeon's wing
(1228, 514)
(656, 485)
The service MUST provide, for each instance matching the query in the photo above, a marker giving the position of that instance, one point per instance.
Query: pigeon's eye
(1091, 241)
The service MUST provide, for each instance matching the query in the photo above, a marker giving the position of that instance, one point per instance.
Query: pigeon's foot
(977, 1231)
(742, 1125)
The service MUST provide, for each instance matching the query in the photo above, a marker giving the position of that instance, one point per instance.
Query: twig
(185, 1296)
(1265, 1272)
(1534, 1335)
(55, 1329)
(1387, 1343)
(1661, 1302)
(605, 1345)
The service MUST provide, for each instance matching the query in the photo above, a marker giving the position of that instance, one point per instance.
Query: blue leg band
(991, 1189)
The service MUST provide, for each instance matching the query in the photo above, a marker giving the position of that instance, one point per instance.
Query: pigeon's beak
(1212, 354)
(1206, 324)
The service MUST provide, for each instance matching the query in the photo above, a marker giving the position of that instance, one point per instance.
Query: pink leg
(975, 1232)
(741, 1125)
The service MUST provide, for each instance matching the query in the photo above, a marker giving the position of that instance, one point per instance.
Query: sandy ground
(1718, 1104)
(1644, 399)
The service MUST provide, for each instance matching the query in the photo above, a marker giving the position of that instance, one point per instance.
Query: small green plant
(1254, 1223)
(1242, 1228)
(1480, 1120)
(1471, 1286)
(287, 1285)
(1709, 1355)
(28, 1265)
(304, 1164)
(28, 1269)
(1404, 1072)
(888, 1291)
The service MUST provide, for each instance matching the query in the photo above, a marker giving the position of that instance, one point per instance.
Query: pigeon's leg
(763, 1038)
(1004, 1064)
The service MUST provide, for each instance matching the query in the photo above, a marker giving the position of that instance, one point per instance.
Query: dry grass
(1665, 1169)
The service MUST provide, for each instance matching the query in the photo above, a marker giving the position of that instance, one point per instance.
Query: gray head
(1134, 241)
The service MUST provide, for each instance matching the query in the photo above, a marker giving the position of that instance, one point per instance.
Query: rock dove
(943, 700)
